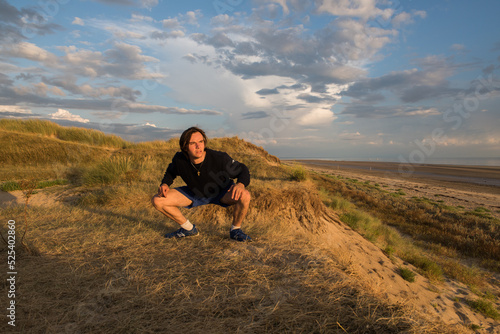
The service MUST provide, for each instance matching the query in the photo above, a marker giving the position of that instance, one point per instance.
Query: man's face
(196, 146)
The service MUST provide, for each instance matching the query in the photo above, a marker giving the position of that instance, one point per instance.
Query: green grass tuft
(108, 172)
(13, 185)
(298, 173)
(10, 186)
(407, 274)
(485, 307)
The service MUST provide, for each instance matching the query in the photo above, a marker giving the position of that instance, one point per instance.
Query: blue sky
(402, 80)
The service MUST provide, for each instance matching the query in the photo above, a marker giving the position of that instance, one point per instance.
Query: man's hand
(163, 190)
(236, 191)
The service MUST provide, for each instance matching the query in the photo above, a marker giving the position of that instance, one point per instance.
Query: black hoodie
(215, 173)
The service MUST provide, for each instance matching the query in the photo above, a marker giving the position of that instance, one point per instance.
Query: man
(208, 175)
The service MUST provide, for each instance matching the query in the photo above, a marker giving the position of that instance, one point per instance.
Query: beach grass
(485, 307)
(407, 274)
(298, 173)
(68, 134)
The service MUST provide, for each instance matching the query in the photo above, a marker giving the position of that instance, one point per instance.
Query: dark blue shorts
(197, 201)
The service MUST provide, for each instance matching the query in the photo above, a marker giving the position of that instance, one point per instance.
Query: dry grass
(100, 264)
(104, 268)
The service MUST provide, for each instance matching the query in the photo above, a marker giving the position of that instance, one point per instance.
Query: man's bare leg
(170, 204)
(240, 209)
(240, 206)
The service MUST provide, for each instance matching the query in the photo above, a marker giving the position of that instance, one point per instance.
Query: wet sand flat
(467, 186)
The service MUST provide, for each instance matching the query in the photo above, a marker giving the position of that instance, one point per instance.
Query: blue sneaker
(182, 233)
(239, 235)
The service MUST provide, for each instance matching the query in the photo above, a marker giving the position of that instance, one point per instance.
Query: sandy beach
(471, 187)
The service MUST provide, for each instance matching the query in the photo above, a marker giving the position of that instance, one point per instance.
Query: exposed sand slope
(380, 273)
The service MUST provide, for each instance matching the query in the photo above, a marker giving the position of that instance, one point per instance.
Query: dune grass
(407, 274)
(485, 307)
(298, 173)
(32, 150)
(69, 134)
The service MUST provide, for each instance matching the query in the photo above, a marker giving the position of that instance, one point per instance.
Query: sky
(393, 80)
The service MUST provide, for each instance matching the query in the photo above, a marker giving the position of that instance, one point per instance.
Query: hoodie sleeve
(171, 172)
(237, 170)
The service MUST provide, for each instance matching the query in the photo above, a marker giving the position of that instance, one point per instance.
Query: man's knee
(245, 197)
(156, 201)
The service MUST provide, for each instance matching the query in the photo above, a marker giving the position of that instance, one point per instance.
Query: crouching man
(208, 175)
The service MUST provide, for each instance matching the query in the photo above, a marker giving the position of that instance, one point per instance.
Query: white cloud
(122, 35)
(401, 18)
(138, 28)
(141, 18)
(283, 5)
(458, 47)
(42, 89)
(39, 89)
(146, 108)
(354, 8)
(171, 23)
(404, 18)
(149, 4)
(372, 111)
(14, 109)
(358, 42)
(62, 114)
(78, 21)
(351, 136)
(193, 16)
(122, 60)
(317, 117)
(223, 20)
(29, 51)
(467, 141)
(420, 112)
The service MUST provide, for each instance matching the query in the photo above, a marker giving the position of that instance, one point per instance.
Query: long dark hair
(186, 137)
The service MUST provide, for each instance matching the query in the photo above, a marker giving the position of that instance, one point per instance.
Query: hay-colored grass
(104, 267)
